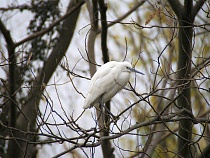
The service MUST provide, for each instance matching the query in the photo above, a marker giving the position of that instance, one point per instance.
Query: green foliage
(45, 12)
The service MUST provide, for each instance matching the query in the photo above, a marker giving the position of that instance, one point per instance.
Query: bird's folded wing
(100, 84)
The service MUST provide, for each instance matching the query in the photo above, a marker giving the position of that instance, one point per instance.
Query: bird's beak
(134, 70)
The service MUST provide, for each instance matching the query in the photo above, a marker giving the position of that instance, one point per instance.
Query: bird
(108, 80)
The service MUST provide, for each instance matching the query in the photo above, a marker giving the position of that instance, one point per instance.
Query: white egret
(109, 79)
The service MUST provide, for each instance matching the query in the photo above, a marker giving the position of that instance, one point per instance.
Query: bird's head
(127, 67)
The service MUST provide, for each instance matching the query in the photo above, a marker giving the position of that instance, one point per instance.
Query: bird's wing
(101, 83)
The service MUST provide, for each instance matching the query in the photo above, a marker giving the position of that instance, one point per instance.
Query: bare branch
(103, 9)
(93, 12)
(197, 7)
(7, 36)
(30, 108)
(127, 14)
(42, 32)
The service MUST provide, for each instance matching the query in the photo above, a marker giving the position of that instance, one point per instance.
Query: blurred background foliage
(148, 38)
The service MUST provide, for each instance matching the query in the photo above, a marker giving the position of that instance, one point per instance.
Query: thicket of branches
(45, 70)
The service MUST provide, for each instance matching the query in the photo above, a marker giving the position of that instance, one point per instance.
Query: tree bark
(101, 117)
(12, 75)
(106, 144)
(184, 73)
(26, 121)
(186, 15)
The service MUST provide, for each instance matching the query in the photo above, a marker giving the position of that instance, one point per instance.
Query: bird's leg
(101, 106)
(106, 109)
(100, 103)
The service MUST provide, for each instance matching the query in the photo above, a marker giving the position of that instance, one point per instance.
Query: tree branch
(6, 34)
(197, 7)
(127, 14)
(103, 9)
(93, 12)
(124, 16)
(42, 32)
(177, 7)
(205, 152)
(200, 66)
(31, 105)
(12, 76)
(184, 73)
(106, 145)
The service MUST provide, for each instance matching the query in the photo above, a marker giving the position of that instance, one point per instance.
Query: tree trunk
(26, 121)
(184, 73)
(185, 16)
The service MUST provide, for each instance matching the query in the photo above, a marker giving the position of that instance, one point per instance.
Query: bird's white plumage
(107, 81)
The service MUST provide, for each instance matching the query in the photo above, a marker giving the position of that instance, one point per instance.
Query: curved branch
(92, 35)
(42, 32)
(6, 34)
(124, 16)
(200, 66)
(12, 74)
(197, 7)
(205, 152)
(127, 14)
